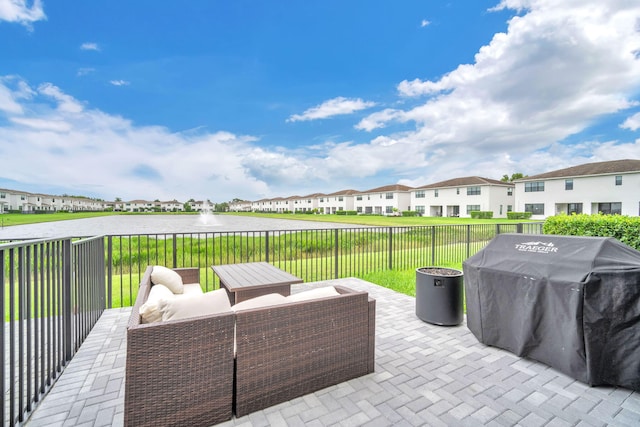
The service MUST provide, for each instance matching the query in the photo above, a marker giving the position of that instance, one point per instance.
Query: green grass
(402, 281)
(377, 220)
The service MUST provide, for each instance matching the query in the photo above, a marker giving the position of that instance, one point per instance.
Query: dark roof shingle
(598, 168)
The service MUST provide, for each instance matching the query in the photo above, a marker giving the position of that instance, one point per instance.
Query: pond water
(156, 224)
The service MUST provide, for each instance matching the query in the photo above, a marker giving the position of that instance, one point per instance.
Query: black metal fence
(311, 254)
(53, 292)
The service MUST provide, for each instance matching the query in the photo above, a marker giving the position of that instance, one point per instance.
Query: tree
(514, 176)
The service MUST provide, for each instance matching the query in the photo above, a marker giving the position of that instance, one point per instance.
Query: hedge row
(624, 228)
(518, 215)
(346, 212)
(481, 214)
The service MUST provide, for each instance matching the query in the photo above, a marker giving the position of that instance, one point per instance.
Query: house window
(322, 200)
(473, 191)
(420, 194)
(534, 208)
(358, 197)
(388, 209)
(3, 195)
(420, 209)
(510, 191)
(435, 193)
(530, 187)
(568, 184)
(509, 208)
(471, 208)
(618, 179)
(574, 208)
(389, 196)
(359, 209)
(340, 198)
(610, 208)
(457, 191)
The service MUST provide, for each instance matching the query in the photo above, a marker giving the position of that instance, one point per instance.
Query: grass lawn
(377, 220)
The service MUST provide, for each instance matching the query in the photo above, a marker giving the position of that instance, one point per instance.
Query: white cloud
(558, 68)
(85, 71)
(333, 107)
(632, 123)
(119, 82)
(18, 11)
(81, 149)
(424, 23)
(90, 46)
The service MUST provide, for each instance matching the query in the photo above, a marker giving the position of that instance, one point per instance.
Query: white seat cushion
(192, 289)
(261, 301)
(327, 291)
(149, 311)
(165, 276)
(187, 306)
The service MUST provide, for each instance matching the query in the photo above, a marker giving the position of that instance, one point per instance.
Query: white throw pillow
(149, 311)
(261, 301)
(327, 291)
(213, 302)
(165, 276)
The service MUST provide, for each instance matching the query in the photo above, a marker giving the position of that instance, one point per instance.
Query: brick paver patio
(425, 375)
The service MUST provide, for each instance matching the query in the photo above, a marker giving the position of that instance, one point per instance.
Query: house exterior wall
(382, 203)
(589, 193)
(459, 201)
(332, 203)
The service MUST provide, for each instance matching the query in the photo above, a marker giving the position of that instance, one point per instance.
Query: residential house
(240, 206)
(339, 201)
(307, 203)
(603, 187)
(386, 200)
(459, 197)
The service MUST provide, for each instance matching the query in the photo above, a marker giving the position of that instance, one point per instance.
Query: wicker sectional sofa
(202, 370)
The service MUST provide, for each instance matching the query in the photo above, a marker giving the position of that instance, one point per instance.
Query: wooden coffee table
(249, 280)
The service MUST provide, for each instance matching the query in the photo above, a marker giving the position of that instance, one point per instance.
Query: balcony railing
(53, 293)
(55, 290)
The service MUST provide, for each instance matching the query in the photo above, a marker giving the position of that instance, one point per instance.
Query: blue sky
(221, 99)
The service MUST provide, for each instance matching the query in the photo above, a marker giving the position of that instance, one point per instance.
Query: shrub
(518, 215)
(341, 212)
(410, 213)
(624, 228)
(481, 214)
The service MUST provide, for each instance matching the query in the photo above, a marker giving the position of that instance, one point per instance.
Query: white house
(603, 187)
(240, 206)
(306, 203)
(339, 201)
(384, 200)
(459, 197)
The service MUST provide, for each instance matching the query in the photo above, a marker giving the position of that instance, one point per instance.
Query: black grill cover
(572, 303)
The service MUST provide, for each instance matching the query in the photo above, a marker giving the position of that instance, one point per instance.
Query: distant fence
(53, 293)
(311, 254)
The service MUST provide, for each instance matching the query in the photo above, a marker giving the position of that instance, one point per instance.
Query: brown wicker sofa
(184, 372)
(180, 372)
